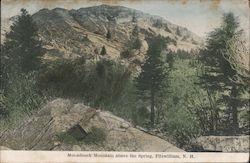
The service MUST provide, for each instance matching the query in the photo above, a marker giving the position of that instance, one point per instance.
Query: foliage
(137, 44)
(20, 59)
(178, 32)
(126, 54)
(103, 51)
(97, 135)
(179, 119)
(220, 73)
(4, 112)
(108, 36)
(22, 47)
(150, 80)
(22, 94)
(95, 83)
(67, 138)
(134, 18)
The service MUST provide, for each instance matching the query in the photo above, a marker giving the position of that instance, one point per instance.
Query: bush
(20, 98)
(22, 93)
(136, 44)
(97, 135)
(181, 126)
(66, 138)
(126, 54)
(103, 51)
(94, 83)
(180, 122)
(3, 108)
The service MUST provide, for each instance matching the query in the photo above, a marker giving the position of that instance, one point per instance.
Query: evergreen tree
(178, 32)
(22, 47)
(150, 80)
(135, 42)
(220, 74)
(108, 36)
(134, 19)
(103, 52)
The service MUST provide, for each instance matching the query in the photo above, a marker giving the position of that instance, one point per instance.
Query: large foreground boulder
(62, 125)
(224, 143)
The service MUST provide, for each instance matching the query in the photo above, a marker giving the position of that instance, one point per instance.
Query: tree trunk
(234, 109)
(213, 119)
(152, 115)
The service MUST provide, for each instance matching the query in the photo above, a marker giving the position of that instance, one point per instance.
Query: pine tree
(150, 80)
(178, 32)
(103, 52)
(135, 42)
(108, 36)
(134, 19)
(220, 74)
(22, 47)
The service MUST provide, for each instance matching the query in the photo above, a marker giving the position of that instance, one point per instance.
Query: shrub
(66, 138)
(103, 51)
(97, 135)
(94, 83)
(22, 93)
(126, 54)
(3, 108)
(137, 44)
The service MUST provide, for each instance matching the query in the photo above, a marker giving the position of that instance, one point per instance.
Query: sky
(199, 16)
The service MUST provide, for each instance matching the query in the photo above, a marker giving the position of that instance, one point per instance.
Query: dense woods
(182, 94)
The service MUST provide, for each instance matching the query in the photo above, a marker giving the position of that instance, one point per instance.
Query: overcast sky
(199, 16)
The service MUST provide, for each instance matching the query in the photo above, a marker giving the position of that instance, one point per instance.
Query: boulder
(224, 143)
(63, 125)
(4, 148)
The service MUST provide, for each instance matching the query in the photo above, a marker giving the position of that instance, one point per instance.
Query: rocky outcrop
(224, 143)
(91, 129)
(74, 33)
(4, 148)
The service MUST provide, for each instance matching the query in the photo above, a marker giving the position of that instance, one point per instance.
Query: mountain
(82, 32)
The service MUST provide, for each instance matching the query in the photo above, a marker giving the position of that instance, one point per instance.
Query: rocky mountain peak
(83, 32)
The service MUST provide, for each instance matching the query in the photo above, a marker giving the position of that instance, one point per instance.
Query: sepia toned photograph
(125, 76)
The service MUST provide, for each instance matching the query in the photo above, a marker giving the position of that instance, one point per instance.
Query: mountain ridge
(82, 32)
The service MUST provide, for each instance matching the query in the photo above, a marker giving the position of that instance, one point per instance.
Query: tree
(134, 18)
(150, 80)
(22, 47)
(108, 36)
(178, 32)
(103, 52)
(135, 42)
(220, 73)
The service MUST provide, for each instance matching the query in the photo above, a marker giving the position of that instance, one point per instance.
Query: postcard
(124, 81)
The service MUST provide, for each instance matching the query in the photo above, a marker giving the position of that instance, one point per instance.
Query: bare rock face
(82, 32)
(62, 125)
(224, 143)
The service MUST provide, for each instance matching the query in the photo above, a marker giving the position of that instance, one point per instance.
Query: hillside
(82, 32)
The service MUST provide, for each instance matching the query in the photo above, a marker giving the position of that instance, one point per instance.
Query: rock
(4, 148)
(125, 125)
(76, 148)
(60, 121)
(57, 143)
(224, 143)
(87, 27)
